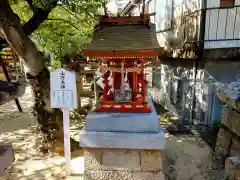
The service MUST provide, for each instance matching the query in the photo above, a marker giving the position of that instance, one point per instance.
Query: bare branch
(85, 10)
(39, 16)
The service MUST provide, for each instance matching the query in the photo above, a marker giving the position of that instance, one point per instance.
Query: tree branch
(64, 20)
(39, 16)
(85, 10)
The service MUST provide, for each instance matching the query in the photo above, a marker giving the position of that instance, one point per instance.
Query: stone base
(223, 146)
(232, 167)
(123, 146)
(122, 164)
(123, 122)
(235, 147)
(122, 140)
(223, 141)
(230, 119)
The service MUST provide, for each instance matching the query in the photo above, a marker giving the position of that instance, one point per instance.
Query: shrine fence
(175, 93)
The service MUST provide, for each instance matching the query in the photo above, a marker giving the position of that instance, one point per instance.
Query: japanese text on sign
(63, 89)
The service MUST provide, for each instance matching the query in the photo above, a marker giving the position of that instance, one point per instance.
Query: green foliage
(22, 9)
(69, 26)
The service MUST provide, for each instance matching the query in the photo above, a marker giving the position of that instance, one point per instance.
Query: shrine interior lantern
(123, 43)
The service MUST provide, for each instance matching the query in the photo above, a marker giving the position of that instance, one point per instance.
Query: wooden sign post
(63, 95)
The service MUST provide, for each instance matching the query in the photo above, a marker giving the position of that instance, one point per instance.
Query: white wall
(112, 6)
(172, 38)
(217, 22)
(220, 24)
(136, 11)
(121, 3)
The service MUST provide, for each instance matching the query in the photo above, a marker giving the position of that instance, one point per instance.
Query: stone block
(236, 144)
(235, 118)
(119, 122)
(123, 175)
(121, 159)
(122, 140)
(232, 168)
(151, 160)
(222, 146)
(225, 117)
(92, 159)
(223, 141)
(148, 176)
(6, 157)
(235, 148)
(98, 175)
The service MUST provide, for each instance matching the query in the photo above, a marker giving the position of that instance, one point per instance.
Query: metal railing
(220, 24)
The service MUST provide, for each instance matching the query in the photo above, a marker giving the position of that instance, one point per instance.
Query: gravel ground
(18, 129)
(186, 156)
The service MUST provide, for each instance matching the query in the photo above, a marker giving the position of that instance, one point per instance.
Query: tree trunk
(50, 121)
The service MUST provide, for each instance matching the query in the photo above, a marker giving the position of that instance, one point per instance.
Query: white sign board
(63, 95)
(63, 89)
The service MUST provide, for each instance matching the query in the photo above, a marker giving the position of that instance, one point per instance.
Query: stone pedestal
(126, 146)
(123, 164)
(228, 143)
(223, 146)
(231, 119)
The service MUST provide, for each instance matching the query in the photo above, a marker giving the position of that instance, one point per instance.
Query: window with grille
(227, 3)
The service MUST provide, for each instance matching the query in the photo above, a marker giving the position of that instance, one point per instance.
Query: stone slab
(151, 160)
(235, 118)
(123, 164)
(122, 140)
(121, 160)
(223, 142)
(232, 168)
(97, 159)
(225, 117)
(123, 122)
(6, 157)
